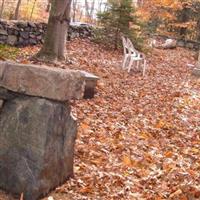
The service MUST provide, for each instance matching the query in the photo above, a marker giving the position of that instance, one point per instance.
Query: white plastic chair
(135, 56)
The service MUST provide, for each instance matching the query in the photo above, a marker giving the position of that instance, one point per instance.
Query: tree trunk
(74, 3)
(198, 61)
(184, 18)
(2, 8)
(55, 40)
(89, 10)
(33, 9)
(100, 6)
(198, 29)
(16, 15)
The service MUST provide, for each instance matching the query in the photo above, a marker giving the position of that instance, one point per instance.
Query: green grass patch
(8, 52)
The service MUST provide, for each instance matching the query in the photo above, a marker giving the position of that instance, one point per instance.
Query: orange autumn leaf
(160, 124)
(85, 126)
(144, 135)
(168, 154)
(127, 161)
(87, 189)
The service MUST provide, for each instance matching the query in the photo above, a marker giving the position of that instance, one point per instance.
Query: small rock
(24, 35)
(196, 72)
(2, 42)
(22, 24)
(39, 37)
(190, 45)
(180, 43)
(3, 32)
(21, 39)
(169, 44)
(3, 38)
(32, 35)
(12, 39)
(31, 24)
(33, 41)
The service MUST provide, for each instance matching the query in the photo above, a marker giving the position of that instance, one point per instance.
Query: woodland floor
(139, 138)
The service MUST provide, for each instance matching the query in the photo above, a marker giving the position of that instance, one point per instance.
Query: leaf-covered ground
(139, 138)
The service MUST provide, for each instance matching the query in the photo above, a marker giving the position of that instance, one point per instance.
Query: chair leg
(130, 65)
(124, 62)
(144, 67)
(137, 66)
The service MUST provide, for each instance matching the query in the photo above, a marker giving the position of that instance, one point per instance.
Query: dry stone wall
(23, 33)
(189, 44)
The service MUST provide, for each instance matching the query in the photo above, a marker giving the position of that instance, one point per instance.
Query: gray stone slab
(52, 83)
(89, 76)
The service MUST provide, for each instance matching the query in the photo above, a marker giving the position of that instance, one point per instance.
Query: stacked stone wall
(22, 33)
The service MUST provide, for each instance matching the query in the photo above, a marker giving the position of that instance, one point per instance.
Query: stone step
(41, 81)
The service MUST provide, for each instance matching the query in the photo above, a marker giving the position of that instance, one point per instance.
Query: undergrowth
(8, 52)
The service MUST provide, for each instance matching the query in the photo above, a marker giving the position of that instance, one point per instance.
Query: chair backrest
(130, 44)
(128, 47)
(125, 46)
(131, 48)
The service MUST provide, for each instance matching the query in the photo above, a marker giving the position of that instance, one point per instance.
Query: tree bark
(2, 8)
(74, 10)
(16, 15)
(58, 23)
(198, 29)
(184, 19)
(89, 10)
(198, 61)
(33, 9)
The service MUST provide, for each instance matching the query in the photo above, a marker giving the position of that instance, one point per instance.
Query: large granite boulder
(37, 130)
(36, 145)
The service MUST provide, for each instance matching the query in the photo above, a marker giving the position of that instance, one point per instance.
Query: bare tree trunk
(81, 15)
(48, 6)
(16, 15)
(198, 29)
(198, 62)
(92, 10)
(100, 2)
(33, 9)
(2, 8)
(74, 5)
(89, 10)
(55, 40)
